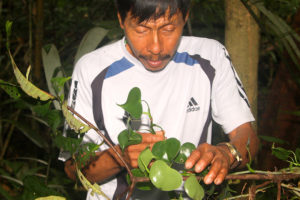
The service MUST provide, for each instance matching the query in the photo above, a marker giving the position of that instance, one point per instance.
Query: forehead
(163, 19)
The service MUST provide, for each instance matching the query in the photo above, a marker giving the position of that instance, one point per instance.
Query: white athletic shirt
(199, 84)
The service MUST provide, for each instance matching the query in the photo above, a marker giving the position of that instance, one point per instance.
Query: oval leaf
(167, 149)
(133, 104)
(164, 177)
(193, 189)
(184, 152)
(128, 137)
(123, 138)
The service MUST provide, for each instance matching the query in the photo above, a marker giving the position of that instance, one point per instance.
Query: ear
(120, 21)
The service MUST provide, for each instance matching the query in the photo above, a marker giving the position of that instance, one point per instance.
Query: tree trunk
(38, 39)
(242, 41)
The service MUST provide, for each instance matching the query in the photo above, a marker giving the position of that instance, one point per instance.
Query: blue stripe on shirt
(118, 67)
(184, 57)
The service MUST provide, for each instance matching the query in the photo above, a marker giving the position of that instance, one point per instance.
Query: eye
(168, 28)
(141, 29)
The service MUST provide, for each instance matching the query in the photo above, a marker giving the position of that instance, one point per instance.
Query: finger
(133, 155)
(134, 163)
(213, 172)
(137, 147)
(150, 138)
(221, 176)
(161, 133)
(194, 157)
(204, 161)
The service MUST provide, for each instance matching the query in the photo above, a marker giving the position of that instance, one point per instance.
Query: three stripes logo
(192, 106)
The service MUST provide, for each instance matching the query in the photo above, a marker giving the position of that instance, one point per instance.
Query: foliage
(53, 118)
(31, 124)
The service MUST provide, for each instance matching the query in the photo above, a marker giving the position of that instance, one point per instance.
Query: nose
(155, 44)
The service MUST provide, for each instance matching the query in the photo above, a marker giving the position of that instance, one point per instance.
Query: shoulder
(207, 49)
(199, 45)
(95, 62)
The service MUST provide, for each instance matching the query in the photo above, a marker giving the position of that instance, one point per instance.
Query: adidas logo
(192, 106)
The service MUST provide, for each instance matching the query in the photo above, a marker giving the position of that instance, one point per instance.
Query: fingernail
(208, 180)
(188, 165)
(217, 181)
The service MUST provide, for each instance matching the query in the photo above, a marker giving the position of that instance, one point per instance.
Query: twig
(109, 144)
(278, 190)
(246, 195)
(8, 137)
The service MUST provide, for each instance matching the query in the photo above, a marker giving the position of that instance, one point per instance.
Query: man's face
(153, 42)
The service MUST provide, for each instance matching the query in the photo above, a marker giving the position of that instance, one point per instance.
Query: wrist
(235, 156)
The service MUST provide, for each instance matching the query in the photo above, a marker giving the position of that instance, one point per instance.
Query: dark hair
(144, 10)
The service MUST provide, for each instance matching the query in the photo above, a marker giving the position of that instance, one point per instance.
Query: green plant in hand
(163, 155)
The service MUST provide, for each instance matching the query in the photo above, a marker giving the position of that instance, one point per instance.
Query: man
(187, 82)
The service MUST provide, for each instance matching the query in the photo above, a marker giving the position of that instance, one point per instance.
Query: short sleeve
(230, 106)
(80, 99)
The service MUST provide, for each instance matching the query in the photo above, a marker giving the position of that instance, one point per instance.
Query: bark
(242, 42)
(38, 39)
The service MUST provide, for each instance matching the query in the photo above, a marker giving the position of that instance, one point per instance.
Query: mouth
(156, 64)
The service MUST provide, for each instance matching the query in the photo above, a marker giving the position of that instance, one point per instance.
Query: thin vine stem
(104, 138)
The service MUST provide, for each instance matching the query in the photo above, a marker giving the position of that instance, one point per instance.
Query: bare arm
(107, 164)
(220, 158)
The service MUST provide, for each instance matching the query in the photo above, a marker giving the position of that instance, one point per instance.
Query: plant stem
(7, 140)
(105, 139)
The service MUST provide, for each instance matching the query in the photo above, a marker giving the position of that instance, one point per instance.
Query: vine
(164, 154)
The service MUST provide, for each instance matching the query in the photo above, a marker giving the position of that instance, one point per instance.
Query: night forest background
(28, 154)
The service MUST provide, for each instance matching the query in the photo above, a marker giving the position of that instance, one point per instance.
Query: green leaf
(35, 187)
(164, 177)
(67, 144)
(31, 134)
(51, 198)
(184, 152)
(128, 137)
(54, 119)
(144, 159)
(193, 189)
(88, 185)
(41, 110)
(272, 139)
(86, 151)
(133, 104)
(51, 62)
(27, 86)
(73, 122)
(12, 90)
(167, 149)
(90, 41)
(280, 153)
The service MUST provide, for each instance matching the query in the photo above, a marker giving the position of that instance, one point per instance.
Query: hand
(132, 152)
(218, 157)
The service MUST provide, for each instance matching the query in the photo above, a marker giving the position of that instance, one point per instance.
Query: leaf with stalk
(88, 185)
(25, 84)
(74, 123)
